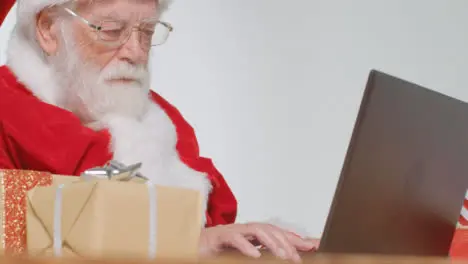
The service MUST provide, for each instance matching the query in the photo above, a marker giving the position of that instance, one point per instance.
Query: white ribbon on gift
(153, 218)
(58, 221)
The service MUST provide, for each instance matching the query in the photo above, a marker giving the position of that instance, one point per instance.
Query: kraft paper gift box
(14, 185)
(110, 218)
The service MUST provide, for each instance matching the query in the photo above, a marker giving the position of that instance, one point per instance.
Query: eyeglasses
(116, 33)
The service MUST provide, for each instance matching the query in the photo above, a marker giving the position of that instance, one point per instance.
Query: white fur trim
(152, 141)
(25, 60)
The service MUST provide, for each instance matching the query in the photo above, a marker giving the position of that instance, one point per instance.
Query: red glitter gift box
(14, 185)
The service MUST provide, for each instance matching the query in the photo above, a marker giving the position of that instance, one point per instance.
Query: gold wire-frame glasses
(115, 33)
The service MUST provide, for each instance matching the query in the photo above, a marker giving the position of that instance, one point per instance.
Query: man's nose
(131, 51)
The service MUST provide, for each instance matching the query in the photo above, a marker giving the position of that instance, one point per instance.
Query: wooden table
(339, 259)
(235, 258)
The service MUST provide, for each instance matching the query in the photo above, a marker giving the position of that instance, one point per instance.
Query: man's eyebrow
(150, 20)
(106, 17)
(111, 17)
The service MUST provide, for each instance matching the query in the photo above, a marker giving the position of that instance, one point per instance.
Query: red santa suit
(36, 134)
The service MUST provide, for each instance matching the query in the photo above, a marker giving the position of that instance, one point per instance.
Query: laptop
(405, 174)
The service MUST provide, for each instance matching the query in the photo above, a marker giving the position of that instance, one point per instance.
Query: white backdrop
(272, 87)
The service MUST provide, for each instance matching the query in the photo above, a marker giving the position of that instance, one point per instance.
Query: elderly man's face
(99, 78)
(112, 13)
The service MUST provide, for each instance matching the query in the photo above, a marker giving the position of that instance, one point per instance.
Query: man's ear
(47, 32)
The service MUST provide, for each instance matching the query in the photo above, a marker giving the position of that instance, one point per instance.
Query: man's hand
(281, 243)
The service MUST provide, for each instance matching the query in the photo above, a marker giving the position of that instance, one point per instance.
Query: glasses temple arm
(82, 19)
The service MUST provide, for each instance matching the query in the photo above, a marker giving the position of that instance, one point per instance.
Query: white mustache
(124, 71)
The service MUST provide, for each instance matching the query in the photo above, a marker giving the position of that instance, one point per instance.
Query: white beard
(141, 131)
(88, 91)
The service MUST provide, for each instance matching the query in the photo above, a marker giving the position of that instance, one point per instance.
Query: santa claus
(75, 94)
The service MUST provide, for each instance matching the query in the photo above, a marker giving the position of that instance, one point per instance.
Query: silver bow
(115, 171)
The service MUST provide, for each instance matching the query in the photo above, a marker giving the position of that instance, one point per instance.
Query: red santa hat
(5, 7)
(27, 9)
